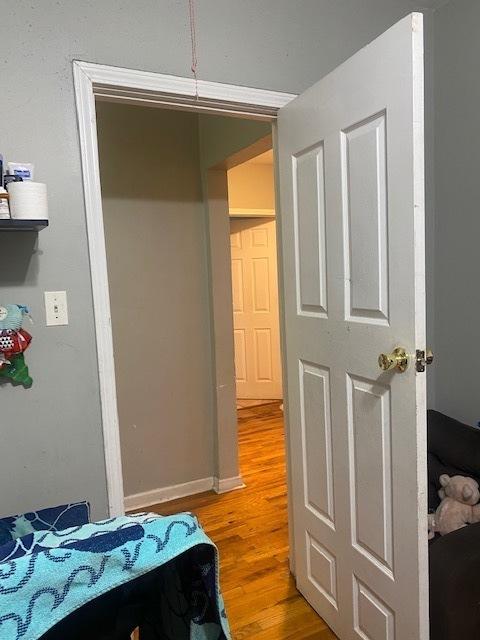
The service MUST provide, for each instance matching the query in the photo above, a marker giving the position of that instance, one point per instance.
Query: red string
(193, 40)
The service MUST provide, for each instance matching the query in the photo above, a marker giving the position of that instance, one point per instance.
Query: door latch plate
(422, 358)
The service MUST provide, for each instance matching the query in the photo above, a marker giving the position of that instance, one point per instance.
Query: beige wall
(220, 138)
(251, 186)
(155, 236)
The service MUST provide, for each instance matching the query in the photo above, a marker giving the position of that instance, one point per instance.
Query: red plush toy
(13, 342)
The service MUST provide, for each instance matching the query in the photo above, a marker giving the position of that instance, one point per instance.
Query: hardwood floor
(249, 527)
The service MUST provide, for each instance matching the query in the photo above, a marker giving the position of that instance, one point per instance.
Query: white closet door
(255, 308)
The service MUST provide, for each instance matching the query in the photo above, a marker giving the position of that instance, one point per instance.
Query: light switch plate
(56, 309)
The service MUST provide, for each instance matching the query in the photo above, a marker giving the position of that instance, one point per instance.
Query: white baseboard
(155, 496)
(222, 485)
(165, 494)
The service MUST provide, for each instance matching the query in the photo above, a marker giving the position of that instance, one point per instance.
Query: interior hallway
(249, 527)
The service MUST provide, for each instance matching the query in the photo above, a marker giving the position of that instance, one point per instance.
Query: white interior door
(255, 308)
(352, 223)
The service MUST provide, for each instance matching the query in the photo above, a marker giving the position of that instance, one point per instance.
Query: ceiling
(263, 158)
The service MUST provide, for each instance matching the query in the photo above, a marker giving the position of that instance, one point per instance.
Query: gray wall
(156, 253)
(457, 171)
(53, 436)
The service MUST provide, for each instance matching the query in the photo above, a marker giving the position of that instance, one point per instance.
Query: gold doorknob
(398, 359)
(422, 358)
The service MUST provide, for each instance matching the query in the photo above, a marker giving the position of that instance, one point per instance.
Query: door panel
(237, 285)
(310, 245)
(322, 569)
(255, 308)
(261, 285)
(240, 355)
(263, 354)
(369, 429)
(352, 217)
(364, 195)
(372, 617)
(317, 441)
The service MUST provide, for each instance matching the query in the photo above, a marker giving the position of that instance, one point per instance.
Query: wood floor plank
(249, 526)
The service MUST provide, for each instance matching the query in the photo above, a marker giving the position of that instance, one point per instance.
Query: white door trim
(142, 87)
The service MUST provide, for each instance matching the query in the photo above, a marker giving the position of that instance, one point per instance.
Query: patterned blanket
(45, 576)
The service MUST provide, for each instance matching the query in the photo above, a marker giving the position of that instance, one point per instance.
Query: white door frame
(154, 89)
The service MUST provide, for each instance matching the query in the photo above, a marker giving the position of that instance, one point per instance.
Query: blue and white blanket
(45, 576)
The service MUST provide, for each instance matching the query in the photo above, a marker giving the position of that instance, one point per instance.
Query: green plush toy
(13, 342)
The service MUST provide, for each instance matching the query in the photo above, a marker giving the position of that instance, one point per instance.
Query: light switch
(56, 309)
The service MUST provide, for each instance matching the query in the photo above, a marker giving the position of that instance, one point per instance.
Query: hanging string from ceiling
(193, 39)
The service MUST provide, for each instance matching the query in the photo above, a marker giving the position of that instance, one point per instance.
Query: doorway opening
(156, 237)
(94, 83)
(253, 245)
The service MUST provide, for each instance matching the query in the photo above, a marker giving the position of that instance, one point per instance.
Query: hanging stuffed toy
(13, 342)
